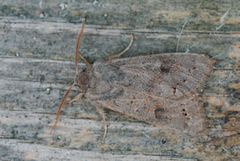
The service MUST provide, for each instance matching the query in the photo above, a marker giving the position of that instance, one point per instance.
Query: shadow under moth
(159, 89)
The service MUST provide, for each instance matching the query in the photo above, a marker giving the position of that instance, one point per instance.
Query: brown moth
(159, 89)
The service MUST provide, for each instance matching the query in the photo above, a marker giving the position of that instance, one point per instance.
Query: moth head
(82, 79)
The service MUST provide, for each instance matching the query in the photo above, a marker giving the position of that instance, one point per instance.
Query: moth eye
(194, 67)
(184, 80)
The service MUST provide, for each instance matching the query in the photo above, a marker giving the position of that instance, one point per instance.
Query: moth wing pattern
(171, 76)
(183, 114)
(159, 89)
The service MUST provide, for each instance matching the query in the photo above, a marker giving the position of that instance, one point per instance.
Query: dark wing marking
(183, 115)
(171, 76)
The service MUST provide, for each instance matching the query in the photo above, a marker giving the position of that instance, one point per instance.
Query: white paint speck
(63, 5)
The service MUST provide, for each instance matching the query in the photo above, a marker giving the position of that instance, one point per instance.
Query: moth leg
(119, 54)
(101, 112)
(79, 96)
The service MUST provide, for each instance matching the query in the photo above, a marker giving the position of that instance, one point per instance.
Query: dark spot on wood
(164, 141)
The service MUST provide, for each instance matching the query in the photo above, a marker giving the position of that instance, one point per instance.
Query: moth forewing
(171, 75)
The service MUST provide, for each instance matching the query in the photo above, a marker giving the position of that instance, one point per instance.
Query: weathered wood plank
(13, 150)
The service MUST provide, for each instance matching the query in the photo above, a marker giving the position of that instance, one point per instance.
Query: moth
(159, 89)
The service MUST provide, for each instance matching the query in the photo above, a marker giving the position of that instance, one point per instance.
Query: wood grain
(36, 58)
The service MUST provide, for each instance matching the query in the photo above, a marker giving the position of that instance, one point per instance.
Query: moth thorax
(82, 80)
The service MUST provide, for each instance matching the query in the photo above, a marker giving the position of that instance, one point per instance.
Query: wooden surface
(36, 68)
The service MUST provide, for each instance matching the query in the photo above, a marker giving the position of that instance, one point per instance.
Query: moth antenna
(119, 54)
(60, 106)
(77, 47)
